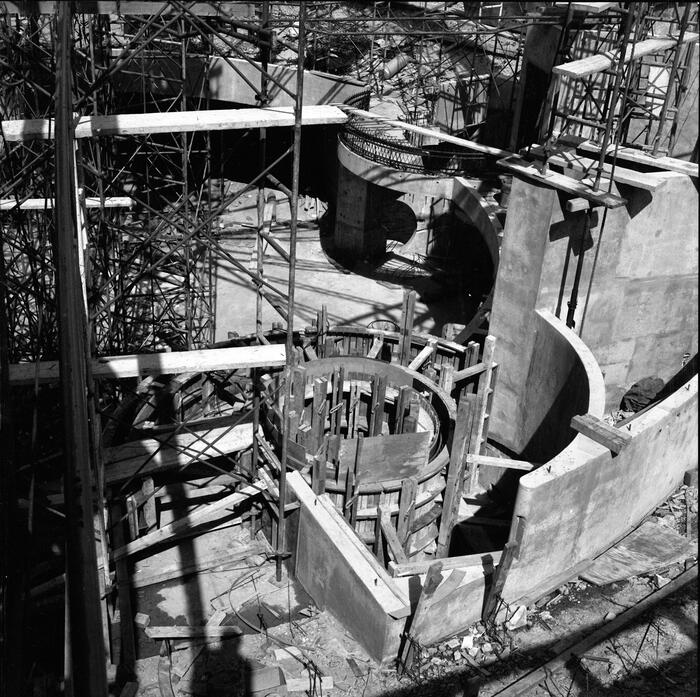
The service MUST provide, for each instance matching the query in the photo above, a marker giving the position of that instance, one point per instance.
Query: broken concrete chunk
(518, 618)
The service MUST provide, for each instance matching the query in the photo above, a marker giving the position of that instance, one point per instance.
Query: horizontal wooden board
(174, 362)
(639, 157)
(175, 122)
(520, 166)
(40, 204)
(604, 61)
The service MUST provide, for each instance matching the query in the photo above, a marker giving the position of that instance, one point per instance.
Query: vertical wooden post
(87, 651)
(432, 580)
(410, 422)
(408, 308)
(319, 406)
(455, 474)
(318, 474)
(407, 507)
(378, 399)
(447, 371)
(482, 396)
(402, 402)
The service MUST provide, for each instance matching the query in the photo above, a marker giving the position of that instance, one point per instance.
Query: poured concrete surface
(372, 292)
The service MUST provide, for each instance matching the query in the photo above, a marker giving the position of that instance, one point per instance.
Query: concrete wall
(639, 271)
(233, 80)
(584, 500)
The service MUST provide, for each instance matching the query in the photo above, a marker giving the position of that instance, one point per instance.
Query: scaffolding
(110, 238)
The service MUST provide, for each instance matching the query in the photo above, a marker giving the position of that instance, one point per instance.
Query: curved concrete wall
(584, 500)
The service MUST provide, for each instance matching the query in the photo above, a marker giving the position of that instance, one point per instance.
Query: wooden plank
(651, 547)
(614, 439)
(207, 631)
(591, 7)
(183, 526)
(574, 205)
(571, 161)
(519, 165)
(481, 418)
(425, 353)
(524, 686)
(640, 157)
(432, 581)
(376, 348)
(599, 62)
(319, 407)
(179, 570)
(408, 309)
(500, 462)
(469, 561)
(131, 7)
(175, 122)
(469, 372)
(392, 539)
(175, 362)
(149, 504)
(410, 422)
(126, 626)
(142, 457)
(378, 400)
(407, 508)
(447, 380)
(40, 204)
(466, 413)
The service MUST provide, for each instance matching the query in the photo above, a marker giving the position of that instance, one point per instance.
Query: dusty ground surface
(655, 654)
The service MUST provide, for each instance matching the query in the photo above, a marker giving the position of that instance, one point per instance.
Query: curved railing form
(374, 141)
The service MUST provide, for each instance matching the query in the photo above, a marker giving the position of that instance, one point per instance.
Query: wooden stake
(455, 474)
(432, 580)
(407, 312)
(378, 399)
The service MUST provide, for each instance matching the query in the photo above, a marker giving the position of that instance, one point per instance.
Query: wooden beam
(519, 165)
(444, 137)
(130, 7)
(468, 561)
(407, 508)
(640, 157)
(150, 577)
(500, 462)
(464, 426)
(614, 439)
(392, 539)
(407, 311)
(426, 352)
(183, 526)
(207, 631)
(527, 684)
(574, 205)
(571, 161)
(142, 457)
(40, 204)
(469, 372)
(432, 580)
(376, 347)
(174, 362)
(605, 61)
(175, 122)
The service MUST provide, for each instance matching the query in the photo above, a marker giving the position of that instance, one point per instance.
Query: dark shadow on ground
(675, 675)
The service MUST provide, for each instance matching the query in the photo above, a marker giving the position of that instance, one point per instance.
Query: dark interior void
(443, 259)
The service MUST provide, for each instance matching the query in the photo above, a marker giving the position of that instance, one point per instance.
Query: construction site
(348, 348)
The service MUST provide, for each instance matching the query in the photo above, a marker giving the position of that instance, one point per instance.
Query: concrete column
(353, 235)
